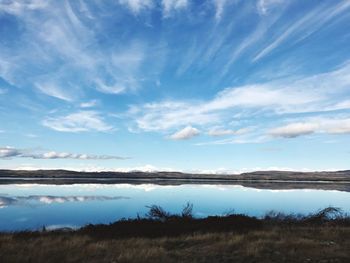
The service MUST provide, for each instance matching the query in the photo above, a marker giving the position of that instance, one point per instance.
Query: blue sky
(212, 85)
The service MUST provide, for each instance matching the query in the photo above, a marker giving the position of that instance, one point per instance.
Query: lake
(32, 206)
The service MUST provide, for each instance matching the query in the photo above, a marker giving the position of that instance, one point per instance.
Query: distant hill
(258, 175)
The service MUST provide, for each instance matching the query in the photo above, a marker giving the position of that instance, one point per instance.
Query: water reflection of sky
(32, 206)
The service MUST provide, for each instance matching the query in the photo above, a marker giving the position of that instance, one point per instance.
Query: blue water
(33, 206)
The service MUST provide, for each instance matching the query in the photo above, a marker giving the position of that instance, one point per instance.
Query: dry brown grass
(271, 244)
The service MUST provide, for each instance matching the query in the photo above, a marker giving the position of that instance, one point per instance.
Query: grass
(321, 237)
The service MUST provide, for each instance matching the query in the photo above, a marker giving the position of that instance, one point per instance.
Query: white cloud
(125, 67)
(312, 125)
(335, 126)
(186, 133)
(88, 104)
(137, 5)
(109, 89)
(51, 89)
(294, 130)
(342, 105)
(19, 6)
(81, 121)
(168, 6)
(265, 6)
(260, 96)
(307, 94)
(167, 115)
(86, 167)
(31, 135)
(223, 132)
(219, 8)
(145, 168)
(10, 152)
(6, 152)
(250, 139)
(173, 5)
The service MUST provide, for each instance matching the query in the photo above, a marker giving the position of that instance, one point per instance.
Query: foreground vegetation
(161, 237)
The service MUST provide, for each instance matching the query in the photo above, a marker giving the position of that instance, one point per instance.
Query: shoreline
(338, 180)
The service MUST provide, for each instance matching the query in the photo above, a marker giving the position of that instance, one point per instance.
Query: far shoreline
(338, 180)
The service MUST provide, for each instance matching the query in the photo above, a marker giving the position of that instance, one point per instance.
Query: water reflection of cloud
(49, 199)
(98, 186)
(143, 187)
(6, 201)
(63, 199)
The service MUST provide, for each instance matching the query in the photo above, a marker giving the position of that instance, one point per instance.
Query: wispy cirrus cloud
(265, 6)
(137, 6)
(167, 6)
(217, 131)
(302, 95)
(266, 23)
(304, 27)
(64, 59)
(170, 6)
(18, 7)
(249, 139)
(81, 121)
(88, 104)
(11, 152)
(52, 89)
(219, 8)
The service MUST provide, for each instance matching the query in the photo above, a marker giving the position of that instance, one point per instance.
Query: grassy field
(234, 238)
(273, 244)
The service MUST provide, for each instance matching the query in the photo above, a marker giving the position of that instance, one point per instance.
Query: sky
(186, 85)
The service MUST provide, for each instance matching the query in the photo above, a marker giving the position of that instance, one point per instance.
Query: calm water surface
(32, 206)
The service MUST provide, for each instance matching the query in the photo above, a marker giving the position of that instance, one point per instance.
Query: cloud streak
(10, 152)
(170, 6)
(305, 26)
(81, 121)
(216, 132)
(136, 6)
(312, 125)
